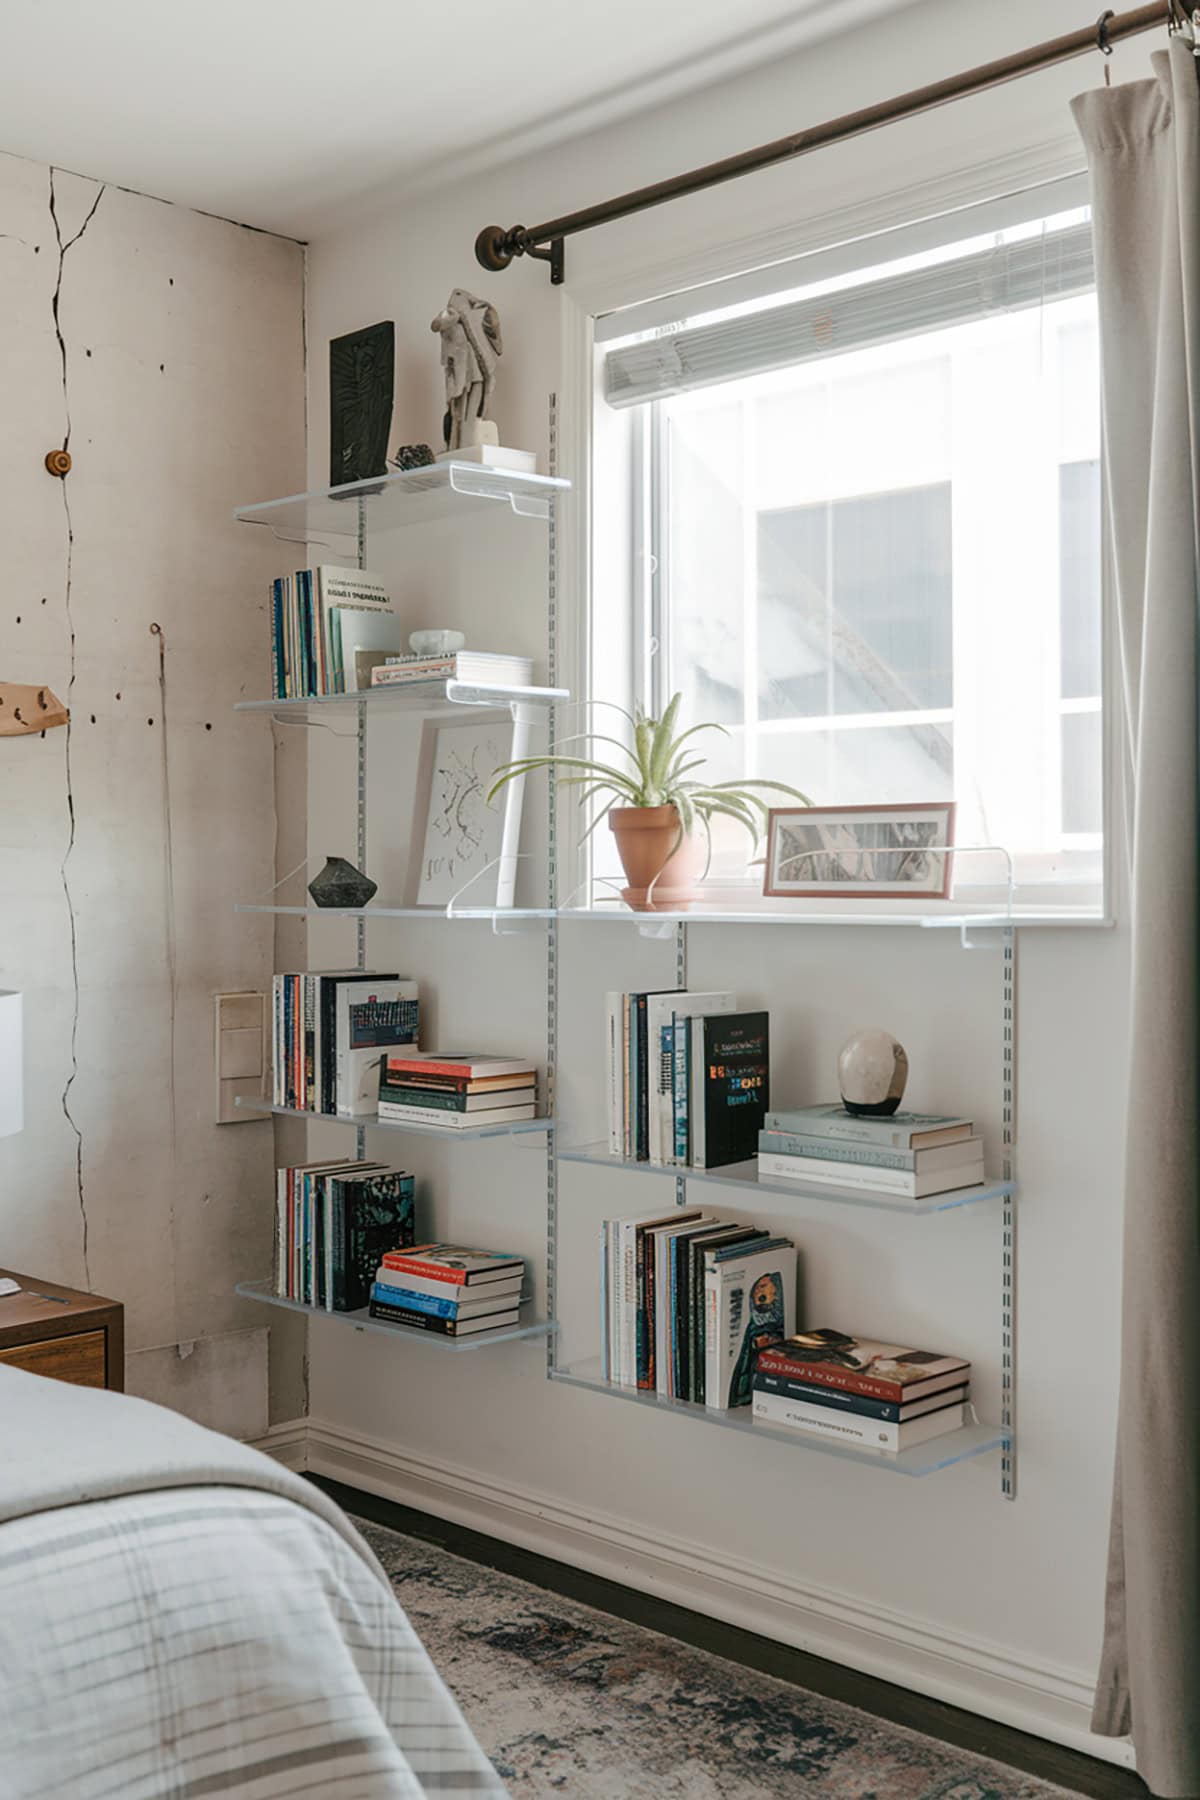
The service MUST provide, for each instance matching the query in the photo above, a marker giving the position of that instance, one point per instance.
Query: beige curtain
(1143, 145)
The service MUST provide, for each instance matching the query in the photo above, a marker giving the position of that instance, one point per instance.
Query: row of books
(687, 1078)
(330, 627)
(908, 1156)
(687, 1302)
(332, 1028)
(456, 1089)
(475, 668)
(886, 1397)
(453, 1290)
(334, 1221)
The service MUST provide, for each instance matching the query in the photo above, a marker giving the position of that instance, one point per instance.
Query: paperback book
(864, 1366)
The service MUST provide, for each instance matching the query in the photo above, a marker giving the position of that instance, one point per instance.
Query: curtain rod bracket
(495, 249)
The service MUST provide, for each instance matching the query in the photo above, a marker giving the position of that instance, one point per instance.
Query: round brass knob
(58, 462)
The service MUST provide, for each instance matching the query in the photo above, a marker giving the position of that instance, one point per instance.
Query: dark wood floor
(1078, 1774)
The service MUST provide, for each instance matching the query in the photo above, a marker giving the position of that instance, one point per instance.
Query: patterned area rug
(569, 1701)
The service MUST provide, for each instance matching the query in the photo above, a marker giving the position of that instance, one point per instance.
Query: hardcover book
(407, 1315)
(898, 1131)
(730, 1078)
(749, 1304)
(899, 1184)
(863, 1365)
(838, 1400)
(457, 1263)
(464, 1065)
(370, 1216)
(662, 1012)
(848, 1428)
(371, 1018)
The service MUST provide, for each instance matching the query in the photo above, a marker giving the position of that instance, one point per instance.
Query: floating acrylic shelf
(664, 924)
(369, 1122)
(745, 1175)
(926, 1459)
(389, 502)
(415, 696)
(362, 1321)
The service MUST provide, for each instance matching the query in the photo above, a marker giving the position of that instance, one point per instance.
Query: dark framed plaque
(361, 375)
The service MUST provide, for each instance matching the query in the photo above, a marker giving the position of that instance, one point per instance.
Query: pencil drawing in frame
(893, 852)
(462, 850)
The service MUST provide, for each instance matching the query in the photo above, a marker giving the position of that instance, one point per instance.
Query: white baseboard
(287, 1442)
(1048, 1702)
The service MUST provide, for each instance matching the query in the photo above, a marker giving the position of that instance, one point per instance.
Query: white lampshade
(12, 1115)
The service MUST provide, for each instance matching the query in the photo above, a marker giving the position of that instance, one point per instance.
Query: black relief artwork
(361, 371)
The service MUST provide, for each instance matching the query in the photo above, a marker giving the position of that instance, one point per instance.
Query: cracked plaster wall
(165, 350)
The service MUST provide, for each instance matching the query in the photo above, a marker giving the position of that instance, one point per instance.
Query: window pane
(1079, 576)
(1082, 773)
(703, 578)
(864, 767)
(892, 595)
(882, 640)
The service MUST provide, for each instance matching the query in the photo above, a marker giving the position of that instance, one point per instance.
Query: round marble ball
(872, 1072)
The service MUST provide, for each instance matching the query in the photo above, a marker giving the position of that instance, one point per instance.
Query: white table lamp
(12, 1116)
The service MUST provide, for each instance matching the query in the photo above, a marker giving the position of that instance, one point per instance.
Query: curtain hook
(1102, 43)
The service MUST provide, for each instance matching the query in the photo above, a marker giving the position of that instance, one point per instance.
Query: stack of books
(330, 627)
(333, 1223)
(450, 1289)
(688, 1078)
(908, 1156)
(475, 668)
(332, 1029)
(883, 1397)
(456, 1089)
(688, 1301)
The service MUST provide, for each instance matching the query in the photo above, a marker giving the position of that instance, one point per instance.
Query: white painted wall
(184, 369)
(941, 1584)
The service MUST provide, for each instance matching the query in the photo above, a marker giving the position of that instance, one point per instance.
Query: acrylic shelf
(369, 1122)
(415, 696)
(745, 1175)
(926, 1459)
(362, 1321)
(663, 924)
(410, 497)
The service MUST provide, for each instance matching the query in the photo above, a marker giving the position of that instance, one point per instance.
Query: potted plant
(659, 810)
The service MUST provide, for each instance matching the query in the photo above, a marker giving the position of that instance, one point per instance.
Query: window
(870, 513)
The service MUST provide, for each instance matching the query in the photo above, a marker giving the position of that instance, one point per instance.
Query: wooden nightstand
(59, 1331)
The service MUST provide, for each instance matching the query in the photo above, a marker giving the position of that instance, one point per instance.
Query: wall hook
(58, 462)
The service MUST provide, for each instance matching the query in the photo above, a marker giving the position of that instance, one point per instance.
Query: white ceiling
(277, 112)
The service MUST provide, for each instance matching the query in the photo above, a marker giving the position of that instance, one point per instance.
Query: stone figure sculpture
(471, 348)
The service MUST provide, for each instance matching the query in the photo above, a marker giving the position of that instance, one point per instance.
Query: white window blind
(1054, 265)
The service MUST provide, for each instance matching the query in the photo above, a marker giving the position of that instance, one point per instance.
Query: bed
(181, 1616)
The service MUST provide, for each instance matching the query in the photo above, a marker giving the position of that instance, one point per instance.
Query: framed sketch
(460, 846)
(874, 852)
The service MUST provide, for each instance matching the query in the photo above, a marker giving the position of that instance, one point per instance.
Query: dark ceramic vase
(341, 884)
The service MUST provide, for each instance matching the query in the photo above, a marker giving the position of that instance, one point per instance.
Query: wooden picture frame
(813, 852)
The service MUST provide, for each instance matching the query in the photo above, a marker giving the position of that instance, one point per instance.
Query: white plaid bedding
(206, 1640)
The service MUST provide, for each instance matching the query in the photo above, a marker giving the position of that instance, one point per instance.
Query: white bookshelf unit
(460, 491)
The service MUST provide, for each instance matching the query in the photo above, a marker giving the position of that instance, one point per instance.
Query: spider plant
(659, 770)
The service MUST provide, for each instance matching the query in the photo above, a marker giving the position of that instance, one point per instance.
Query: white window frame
(598, 573)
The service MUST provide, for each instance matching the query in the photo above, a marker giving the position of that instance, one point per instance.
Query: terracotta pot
(647, 839)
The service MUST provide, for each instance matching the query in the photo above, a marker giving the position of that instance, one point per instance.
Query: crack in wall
(63, 246)
(157, 631)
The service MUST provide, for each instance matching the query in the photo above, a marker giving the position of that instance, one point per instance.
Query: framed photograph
(875, 852)
(458, 841)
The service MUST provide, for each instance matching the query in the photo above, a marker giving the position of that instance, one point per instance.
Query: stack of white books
(908, 1156)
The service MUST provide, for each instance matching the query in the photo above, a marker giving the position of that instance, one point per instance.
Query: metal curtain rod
(495, 248)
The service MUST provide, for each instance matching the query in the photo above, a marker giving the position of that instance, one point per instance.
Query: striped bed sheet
(212, 1639)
